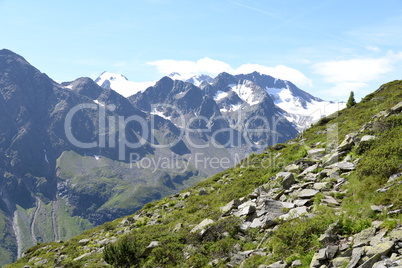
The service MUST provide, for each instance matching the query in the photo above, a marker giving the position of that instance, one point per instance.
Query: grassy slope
(381, 159)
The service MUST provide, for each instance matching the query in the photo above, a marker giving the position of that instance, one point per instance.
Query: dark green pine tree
(351, 101)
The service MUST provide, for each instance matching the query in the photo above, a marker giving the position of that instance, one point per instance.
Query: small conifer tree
(351, 101)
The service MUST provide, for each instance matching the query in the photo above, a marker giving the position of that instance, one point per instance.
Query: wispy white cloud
(355, 74)
(373, 48)
(362, 70)
(214, 67)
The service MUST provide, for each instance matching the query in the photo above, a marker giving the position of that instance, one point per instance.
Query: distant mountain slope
(188, 106)
(300, 107)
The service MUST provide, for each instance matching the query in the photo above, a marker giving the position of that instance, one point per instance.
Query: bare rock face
(397, 108)
(347, 144)
(287, 179)
(201, 227)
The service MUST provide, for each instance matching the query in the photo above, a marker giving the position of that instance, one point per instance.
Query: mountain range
(77, 154)
(234, 92)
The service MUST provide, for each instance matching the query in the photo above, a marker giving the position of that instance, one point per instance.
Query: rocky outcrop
(369, 248)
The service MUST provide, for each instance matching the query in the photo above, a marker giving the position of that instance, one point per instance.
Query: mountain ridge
(300, 107)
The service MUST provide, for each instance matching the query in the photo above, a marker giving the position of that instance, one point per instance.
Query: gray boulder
(273, 209)
(245, 209)
(287, 179)
(356, 256)
(149, 248)
(229, 206)
(334, 158)
(363, 238)
(396, 109)
(396, 235)
(347, 143)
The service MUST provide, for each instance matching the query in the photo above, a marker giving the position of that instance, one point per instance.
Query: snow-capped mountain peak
(110, 77)
(175, 76)
(193, 79)
(298, 106)
(197, 80)
(302, 112)
(121, 84)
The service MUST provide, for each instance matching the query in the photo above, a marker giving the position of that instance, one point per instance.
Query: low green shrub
(126, 252)
(347, 225)
(300, 236)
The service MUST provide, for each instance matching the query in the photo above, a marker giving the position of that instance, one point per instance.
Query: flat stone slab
(229, 206)
(288, 204)
(314, 153)
(364, 237)
(367, 138)
(308, 170)
(340, 262)
(344, 166)
(273, 209)
(307, 193)
(294, 213)
(301, 202)
(396, 235)
(202, 225)
(320, 185)
(381, 249)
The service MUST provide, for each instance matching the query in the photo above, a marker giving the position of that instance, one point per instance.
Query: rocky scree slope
(329, 198)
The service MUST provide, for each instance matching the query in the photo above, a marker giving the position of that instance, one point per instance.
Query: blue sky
(327, 48)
